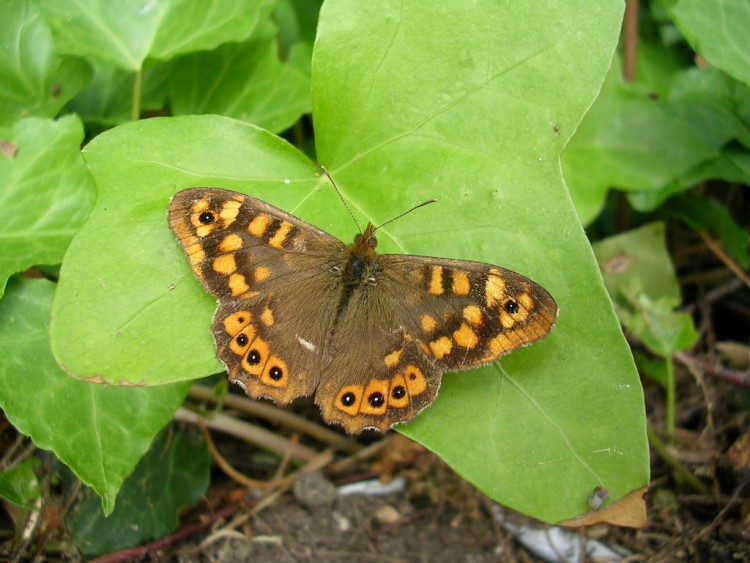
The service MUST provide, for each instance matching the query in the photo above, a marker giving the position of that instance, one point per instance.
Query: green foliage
(676, 124)
(468, 102)
(173, 474)
(100, 431)
(20, 485)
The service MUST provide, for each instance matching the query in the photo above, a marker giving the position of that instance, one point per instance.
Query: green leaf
(405, 108)
(663, 330)
(246, 81)
(46, 194)
(173, 474)
(126, 33)
(628, 141)
(20, 485)
(99, 431)
(640, 279)
(637, 259)
(36, 81)
(108, 99)
(717, 30)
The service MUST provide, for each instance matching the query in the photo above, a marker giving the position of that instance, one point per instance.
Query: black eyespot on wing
(276, 373)
(241, 339)
(253, 357)
(376, 399)
(207, 217)
(348, 399)
(398, 392)
(511, 306)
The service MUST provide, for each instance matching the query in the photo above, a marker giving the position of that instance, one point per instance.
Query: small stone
(387, 514)
(313, 489)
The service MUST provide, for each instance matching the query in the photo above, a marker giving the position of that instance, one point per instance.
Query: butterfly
(300, 312)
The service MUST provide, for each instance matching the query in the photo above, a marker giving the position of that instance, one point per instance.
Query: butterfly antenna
(429, 201)
(338, 193)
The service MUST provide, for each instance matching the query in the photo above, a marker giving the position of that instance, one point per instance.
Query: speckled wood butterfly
(300, 312)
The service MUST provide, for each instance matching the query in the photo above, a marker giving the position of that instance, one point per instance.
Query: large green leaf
(100, 431)
(46, 192)
(462, 102)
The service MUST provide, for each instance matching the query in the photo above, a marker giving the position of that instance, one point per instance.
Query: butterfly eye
(372, 242)
(207, 217)
(511, 306)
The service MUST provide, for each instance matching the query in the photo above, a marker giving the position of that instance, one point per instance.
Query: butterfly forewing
(263, 265)
(465, 314)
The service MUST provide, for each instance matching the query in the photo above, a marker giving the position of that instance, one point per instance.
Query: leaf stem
(670, 406)
(137, 89)
(678, 469)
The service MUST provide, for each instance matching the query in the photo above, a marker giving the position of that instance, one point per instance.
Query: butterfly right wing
(274, 277)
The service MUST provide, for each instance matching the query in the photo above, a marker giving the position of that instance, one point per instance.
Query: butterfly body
(301, 313)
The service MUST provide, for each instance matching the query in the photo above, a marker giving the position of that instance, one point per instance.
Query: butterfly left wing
(271, 274)
(425, 316)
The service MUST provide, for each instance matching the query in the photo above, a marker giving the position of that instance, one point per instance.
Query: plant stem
(670, 416)
(137, 88)
(679, 470)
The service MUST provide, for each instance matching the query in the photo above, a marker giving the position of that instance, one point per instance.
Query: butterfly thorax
(361, 260)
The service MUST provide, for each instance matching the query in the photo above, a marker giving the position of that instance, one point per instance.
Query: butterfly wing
(273, 276)
(425, 316)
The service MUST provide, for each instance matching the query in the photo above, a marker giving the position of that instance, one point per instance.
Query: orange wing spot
(261, 273)
(392, 359)
(194, 250)
(229, 212)
(275, 373)
(424, 347)
(278, 238)
(526, 300)
(240, 343)
(230, 243)
(266, 316)
(249, 294)
(428, 323)
(473, 315)
(225, 264)
(238, 284)
(198, 206)
(500, 345)
(258, 225)
(441, 347)
(349, 399)
(375, 398)
(235, 322)
(460, 283)
(256, 358)
(436, 281)
(465, 337)
(494, 289)
(506, 319)
(204, 230)
(416, 382)
(398, 394)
